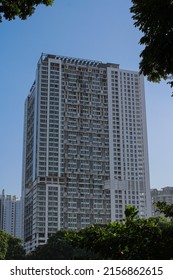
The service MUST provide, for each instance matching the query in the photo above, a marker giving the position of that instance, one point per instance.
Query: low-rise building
(163, 195)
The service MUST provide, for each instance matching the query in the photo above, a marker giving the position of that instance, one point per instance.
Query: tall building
(163, 195)
(85, 146)
(10, 214)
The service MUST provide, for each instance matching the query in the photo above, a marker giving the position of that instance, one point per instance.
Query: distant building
(163, 195)
(10, 214)
(85, 151)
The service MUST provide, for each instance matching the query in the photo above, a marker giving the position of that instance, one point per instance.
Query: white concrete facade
(85, 140)
(10, 214)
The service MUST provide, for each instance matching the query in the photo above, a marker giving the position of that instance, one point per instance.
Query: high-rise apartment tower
(85, 146)
(10, 214)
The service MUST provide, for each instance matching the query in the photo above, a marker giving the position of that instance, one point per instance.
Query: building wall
(85, 141)
(10, 214)
(128, 142)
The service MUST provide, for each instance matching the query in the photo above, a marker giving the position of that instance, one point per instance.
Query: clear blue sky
(91, 29)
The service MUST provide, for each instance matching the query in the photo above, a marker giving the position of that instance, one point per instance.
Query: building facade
(85, 151)
(10, 214)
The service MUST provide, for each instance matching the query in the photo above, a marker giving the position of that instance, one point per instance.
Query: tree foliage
(3, 244)
(134, 238)
(15, 249)
(20, 8)
(131, 239)
(10, 247)
(166, 209)
(59, 247)
(56, 248)
(154, 18)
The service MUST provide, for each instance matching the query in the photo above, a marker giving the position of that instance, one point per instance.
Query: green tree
(20, 8)
(15, 249)
(133, 238)
(10, 247)
(3, 244)
(166, 209)
(59, 247)
(154, 18)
